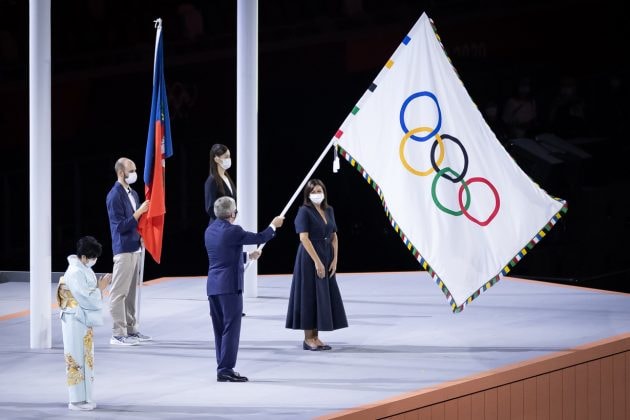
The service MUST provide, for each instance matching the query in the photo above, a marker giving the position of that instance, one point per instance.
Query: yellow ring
(401, 151)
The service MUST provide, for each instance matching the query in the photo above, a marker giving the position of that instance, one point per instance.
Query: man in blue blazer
(224, 244)
(124, 211)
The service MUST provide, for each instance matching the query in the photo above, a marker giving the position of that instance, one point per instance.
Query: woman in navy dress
(315, 302)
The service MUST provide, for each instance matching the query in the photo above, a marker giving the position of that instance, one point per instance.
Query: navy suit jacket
(224, 244)
(122, 224)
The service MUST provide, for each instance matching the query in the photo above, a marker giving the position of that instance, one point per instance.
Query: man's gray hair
(224, 207)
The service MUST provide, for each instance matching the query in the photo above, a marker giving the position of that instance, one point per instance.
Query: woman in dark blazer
(218, 183)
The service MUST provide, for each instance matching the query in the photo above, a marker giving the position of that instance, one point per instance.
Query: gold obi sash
(65, 299)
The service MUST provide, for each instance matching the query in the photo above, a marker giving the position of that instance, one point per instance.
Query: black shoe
(231, 377)
(311, 348)
(324, 347)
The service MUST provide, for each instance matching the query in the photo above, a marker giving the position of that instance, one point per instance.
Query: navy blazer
(224, 244)
(122, 224)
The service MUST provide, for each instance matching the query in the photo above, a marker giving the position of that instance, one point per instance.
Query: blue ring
(402, 116)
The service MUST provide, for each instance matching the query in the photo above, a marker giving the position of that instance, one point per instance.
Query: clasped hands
(104, 281)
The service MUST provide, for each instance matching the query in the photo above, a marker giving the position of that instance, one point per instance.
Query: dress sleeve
(302, 221)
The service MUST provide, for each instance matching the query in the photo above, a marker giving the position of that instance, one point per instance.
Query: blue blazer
(122, 224)
(224, 244)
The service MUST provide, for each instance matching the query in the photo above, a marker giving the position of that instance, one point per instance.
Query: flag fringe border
(424, 263)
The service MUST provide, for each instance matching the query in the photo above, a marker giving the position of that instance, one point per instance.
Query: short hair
(89, 247)
(224, 207)
(120, 165)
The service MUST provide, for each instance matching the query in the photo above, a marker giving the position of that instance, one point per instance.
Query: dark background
(316, 59)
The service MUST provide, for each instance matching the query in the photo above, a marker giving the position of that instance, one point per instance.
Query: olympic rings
(401, 152)
(461, 146)
(497, 201)
(464, 186)
(404, 108)
(443, 172)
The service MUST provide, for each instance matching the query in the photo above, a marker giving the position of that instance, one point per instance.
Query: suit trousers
(226, 312)
(122, 305)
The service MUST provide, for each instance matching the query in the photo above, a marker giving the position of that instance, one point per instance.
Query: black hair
(218, 149)
(89, 247)
(310, 185)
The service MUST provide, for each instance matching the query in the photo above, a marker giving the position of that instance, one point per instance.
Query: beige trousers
(122, 305)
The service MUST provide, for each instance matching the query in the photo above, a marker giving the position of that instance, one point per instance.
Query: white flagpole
(301, 186)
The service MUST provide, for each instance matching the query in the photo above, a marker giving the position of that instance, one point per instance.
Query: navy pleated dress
(315, 303)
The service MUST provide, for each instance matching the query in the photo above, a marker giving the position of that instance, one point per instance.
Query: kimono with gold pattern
(80, 304)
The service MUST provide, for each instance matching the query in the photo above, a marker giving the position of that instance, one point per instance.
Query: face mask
(131, 178)
(226, 163)
(316, 198)
(90, 263)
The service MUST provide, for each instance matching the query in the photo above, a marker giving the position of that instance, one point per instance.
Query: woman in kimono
(315, 301)
(79, 297)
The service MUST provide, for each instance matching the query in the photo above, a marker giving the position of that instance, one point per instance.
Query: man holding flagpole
(124, 211)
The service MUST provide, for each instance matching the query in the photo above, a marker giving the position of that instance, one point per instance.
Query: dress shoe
(305, 346)
(231, 377)
(324, 347)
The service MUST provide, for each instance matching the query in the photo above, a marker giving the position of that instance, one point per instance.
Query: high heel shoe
(305, 346)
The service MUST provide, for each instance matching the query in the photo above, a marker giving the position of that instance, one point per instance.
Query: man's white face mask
(131, 178)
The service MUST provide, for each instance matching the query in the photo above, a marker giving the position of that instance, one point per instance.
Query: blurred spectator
(182, 99)
(490, 113)
(567, 111)
(191, 21)
(608, 106)
(520, 113)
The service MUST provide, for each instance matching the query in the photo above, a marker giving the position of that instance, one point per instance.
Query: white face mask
(90, 263)
(316, 198)
(131, 178)
(226, 164)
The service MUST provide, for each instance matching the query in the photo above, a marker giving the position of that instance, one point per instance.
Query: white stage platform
(402, 337)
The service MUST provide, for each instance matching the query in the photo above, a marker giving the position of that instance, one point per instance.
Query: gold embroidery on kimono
(75, 376)
(64, 296)
(87, 348)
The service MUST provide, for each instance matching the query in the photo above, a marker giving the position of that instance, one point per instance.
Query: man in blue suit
(124, 210)
(224, 244)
